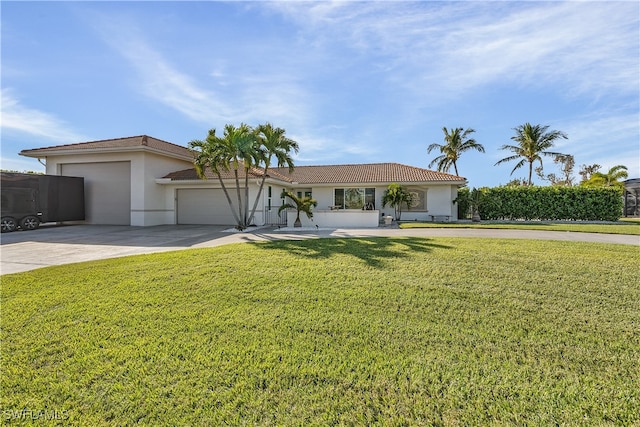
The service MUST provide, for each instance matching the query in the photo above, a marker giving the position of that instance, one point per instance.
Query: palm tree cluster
(533, 141)
(243, 148)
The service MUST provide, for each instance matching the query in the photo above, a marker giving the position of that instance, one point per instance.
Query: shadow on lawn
(374, 251)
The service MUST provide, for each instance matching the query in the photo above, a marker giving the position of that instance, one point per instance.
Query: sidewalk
(28, 250)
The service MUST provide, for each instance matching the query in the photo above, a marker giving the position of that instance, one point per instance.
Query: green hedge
(464, 203)
(551, 203)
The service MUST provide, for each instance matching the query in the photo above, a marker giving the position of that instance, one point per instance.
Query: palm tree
(610, 179)
(237, 148)
(210, 153)
(533, 141)
(395, 196)
(456, 142)
(273, 143)
(300, 204)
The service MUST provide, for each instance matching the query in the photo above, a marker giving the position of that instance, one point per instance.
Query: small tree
(567, 163)
(612, 178)
(396, 196)
(587, 170)
(304, 204)
(475, 200)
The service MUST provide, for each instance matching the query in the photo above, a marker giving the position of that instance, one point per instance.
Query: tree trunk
(255, 203)
(245, 213)
(240, 224)
(226, 193)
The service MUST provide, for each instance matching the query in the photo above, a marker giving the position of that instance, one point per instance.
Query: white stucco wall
(169, 196)
(337, 218)
(148, 203)
(439, 201)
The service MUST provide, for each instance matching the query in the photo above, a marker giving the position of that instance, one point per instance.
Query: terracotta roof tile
(338, 174)
(128, 142)
(191, 174)
(361, 173)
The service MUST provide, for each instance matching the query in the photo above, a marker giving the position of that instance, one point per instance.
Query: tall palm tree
(237, 148)
(533, 141)
(300, 204)
(273, 143)
(209, 153)
(457, 141)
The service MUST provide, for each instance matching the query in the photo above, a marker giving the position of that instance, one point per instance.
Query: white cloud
(17, 117)
(586, 47)
(227, 94)
(606, 139)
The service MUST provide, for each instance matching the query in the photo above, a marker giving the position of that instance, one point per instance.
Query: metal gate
(272, 217)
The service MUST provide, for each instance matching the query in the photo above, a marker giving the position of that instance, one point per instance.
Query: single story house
(145, 181)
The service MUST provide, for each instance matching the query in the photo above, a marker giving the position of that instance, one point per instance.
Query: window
(419, 200)
(304, 193)
(354, 198)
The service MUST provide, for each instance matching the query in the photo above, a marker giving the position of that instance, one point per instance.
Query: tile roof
(110, 144)
(190, 174)
(337, 174)
(361, 173)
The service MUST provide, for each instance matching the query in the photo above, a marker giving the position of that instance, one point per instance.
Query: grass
(401, 331)
(627, 226)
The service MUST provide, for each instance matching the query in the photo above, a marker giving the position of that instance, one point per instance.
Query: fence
(272, 217)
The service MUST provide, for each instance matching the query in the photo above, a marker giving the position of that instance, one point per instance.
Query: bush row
(545, 203)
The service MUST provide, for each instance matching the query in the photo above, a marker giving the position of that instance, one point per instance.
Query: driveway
(54, 245)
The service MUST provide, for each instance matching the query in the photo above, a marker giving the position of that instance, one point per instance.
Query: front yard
(400, 331)
(624, 226)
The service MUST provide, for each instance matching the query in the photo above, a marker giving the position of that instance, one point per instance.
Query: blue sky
(352, 82)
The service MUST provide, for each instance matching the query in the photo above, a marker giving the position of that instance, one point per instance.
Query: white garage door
(204, 206)
(107, 191)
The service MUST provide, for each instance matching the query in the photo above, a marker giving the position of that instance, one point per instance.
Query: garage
(107, 188)
(203, 206)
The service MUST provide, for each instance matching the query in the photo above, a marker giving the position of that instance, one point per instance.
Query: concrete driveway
(54, 245)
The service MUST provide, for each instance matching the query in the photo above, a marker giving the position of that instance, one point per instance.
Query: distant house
(145, 181)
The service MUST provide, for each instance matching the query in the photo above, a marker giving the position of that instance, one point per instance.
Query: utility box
(30, 199)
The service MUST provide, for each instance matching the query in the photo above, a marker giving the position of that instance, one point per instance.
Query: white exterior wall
(148, 203)
(439, 199)
(154, 202)
(150, 208)
(439, 203)
(336, 219)
(169, 190)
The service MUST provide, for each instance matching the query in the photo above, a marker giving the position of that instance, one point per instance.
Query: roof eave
(37, 153)
(381, 183)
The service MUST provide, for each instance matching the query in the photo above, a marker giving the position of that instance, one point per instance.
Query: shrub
(464, 203)
(551, 203)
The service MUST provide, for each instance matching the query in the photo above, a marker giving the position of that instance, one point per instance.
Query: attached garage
(107, 188)
(203, 206)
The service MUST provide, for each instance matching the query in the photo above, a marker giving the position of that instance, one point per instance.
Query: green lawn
(402, 331)
(621, 227)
